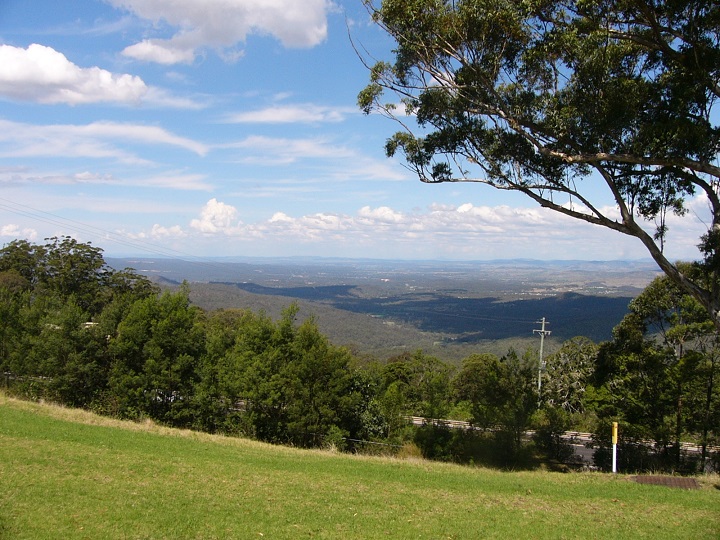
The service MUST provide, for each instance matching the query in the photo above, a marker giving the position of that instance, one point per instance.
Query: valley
(449, 309)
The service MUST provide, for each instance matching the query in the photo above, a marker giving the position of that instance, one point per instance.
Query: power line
(54, 219)
(104, 234)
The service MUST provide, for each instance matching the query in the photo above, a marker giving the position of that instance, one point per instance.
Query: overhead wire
(97, 232)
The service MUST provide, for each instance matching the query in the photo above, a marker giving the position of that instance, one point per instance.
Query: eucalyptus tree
(680, 325)
(69, 268)
(659, 374)
(556, 99)
(21, 259)
(480, 383)
(59, 302)
(568, 373)
(77, 269)
(500, 393)
(423, 381)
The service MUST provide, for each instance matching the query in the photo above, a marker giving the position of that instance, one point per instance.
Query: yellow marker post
(614, 443)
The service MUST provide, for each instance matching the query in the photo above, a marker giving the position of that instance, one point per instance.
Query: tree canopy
(548, 97)
(658, 375)
(77, 332)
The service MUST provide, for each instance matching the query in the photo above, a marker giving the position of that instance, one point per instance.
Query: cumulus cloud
(216, 217)
(159, 231)
(222, 24)
(442, 231)
(45, 75)
(382, 214)
(14, 231)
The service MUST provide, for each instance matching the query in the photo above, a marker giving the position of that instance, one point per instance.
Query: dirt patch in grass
(668, 481)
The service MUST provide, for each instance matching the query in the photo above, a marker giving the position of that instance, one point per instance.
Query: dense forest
(76, 332)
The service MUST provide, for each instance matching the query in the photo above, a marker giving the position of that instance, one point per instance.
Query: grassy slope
(69, 474)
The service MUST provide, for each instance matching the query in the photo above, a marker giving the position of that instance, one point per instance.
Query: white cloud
(382, 214)
(157, 232)
(280, 217)
(286, 114)
(222, 24)
(441, 231)
(15, 231)
(365, 169)
(160, 52)
(44, 75)
(191, 182)
(139, 133)
(168, 180)
(91, 140)
(216, 217)
(167, 232)
(278, 150)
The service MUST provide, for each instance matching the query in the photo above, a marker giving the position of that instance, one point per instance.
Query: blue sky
(230, 128)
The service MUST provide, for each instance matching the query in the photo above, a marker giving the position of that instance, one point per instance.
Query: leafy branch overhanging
(550, 98)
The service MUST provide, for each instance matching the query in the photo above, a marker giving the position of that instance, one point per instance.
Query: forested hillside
(365, 334)
(75, 331)
(454, 308)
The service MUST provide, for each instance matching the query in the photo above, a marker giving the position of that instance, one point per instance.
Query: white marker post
(614, 443)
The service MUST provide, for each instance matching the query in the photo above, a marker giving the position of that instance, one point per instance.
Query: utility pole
(541, 364)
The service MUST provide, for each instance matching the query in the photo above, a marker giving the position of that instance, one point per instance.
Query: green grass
(69, 474)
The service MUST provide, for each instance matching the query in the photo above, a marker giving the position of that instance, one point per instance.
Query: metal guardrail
(579, 436)
(9, 376)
